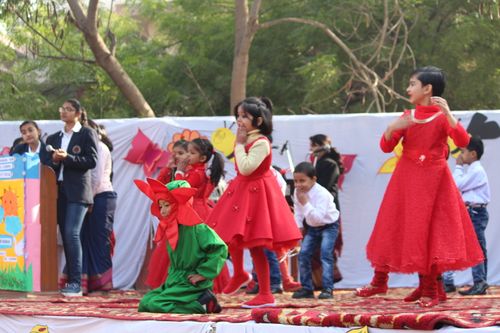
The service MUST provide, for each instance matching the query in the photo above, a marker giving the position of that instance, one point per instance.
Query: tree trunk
(246, 25)
(87, 24)
(110, 64)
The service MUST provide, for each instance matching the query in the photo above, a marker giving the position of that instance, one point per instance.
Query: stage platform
(117, 312)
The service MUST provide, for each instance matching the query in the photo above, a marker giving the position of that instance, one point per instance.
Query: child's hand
(302, 197)
(241, 135)
(182, 164)
(195, 278)
(442, 103)
(460, 160)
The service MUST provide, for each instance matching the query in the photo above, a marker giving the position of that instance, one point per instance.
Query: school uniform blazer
(24, 148)
(82, 157)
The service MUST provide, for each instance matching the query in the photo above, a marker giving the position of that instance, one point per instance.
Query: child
(196, 253)
(472, 182)
(193, 169)
(179, 154)
(159, 262)
(314, 204)
(253, 212)
(422, 225)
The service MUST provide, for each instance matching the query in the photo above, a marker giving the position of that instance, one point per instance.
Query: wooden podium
(48, 221)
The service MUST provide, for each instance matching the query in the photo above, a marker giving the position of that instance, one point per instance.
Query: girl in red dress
(253, 213)
(194, 170)
(159, 262)
(422, 225)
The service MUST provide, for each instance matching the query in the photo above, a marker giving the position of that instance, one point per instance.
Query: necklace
(423, 121)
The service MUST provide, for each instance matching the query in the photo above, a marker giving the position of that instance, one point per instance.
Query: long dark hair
(258, 107)
(325, 143)
(216, 168)
(101, 132)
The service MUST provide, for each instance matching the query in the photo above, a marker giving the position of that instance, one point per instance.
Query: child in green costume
(196, 253)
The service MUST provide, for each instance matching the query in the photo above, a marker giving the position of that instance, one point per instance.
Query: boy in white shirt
(472, 181)
(314, 205)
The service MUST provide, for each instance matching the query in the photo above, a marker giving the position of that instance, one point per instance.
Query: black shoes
(477, 289)
(255, 290)
(326, 294)
(303, 293)
(449, 288)
(209, 302)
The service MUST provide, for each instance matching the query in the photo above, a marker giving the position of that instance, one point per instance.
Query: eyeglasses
(65, 109)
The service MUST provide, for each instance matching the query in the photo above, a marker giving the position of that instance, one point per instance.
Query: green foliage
(180, 55)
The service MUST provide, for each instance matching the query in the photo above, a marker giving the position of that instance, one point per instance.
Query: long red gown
(422, 220)
(253, 211)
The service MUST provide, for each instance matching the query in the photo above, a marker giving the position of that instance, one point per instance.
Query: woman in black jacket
(30, 140)
(74, 155)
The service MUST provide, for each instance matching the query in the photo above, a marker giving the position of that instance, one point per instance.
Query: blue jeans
(318, 236)
(70, 217)
(274, 269)
(479, 217)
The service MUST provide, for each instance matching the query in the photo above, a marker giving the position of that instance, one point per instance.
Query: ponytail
(216, 168)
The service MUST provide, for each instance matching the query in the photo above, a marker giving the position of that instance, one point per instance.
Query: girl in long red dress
(253, 213)
(422, 225)
(194, 170)
(159, 262)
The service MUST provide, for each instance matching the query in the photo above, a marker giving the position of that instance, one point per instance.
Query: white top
(101, 174)
(472, 182)
(66, 138)
(319, 210)
(37, 149)
(248, 163)
(279, 178)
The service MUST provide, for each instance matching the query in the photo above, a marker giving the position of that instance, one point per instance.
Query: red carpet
(345, 310)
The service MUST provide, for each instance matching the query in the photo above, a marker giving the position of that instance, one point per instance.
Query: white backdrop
(360, 197)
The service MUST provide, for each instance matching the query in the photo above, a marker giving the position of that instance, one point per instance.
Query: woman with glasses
(74, 154)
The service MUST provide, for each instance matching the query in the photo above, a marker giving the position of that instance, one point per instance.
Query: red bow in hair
(181, 211)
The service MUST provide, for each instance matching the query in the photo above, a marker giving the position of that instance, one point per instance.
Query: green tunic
(199, 251)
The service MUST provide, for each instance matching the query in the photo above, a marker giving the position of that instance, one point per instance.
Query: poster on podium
(20, 230)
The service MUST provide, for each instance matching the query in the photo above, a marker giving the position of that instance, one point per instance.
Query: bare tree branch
(68, 58)
(190, 74)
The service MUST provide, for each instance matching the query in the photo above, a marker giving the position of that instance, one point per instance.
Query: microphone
(285, 147)
(49, 148)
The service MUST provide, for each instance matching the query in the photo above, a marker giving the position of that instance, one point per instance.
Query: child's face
(165, 208)
(417, 93)
(179, 154)
(303, 183)
(194, 155)
(468, 156)
(245, 120)
(30, 134)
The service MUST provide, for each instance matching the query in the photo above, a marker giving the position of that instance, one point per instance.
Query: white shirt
(101, 174)
(66, 138)
(37, 149)
(319, 210)
(472, 182)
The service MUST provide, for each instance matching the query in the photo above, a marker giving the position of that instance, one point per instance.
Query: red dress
(253, 211)
(196, 177)
(422, 220)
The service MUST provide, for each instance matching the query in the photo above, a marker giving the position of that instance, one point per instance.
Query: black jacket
(328, 173)
(24, 148)
(82, 157)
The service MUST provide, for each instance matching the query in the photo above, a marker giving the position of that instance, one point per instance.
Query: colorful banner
(19, 176)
